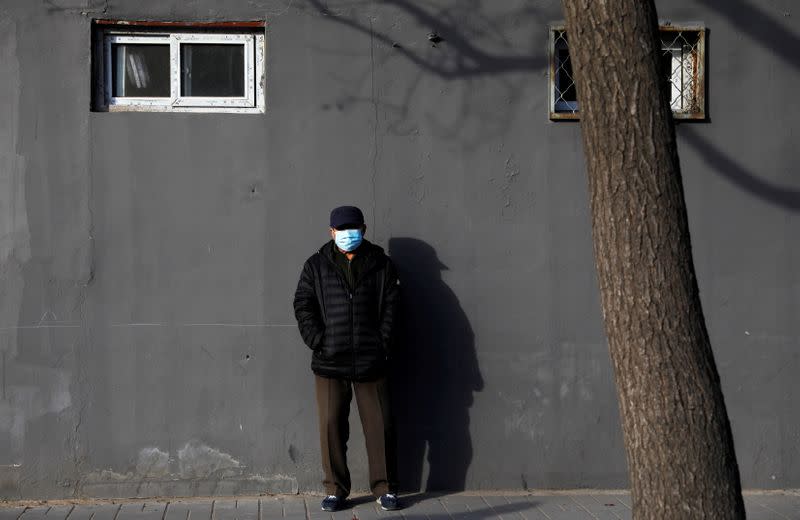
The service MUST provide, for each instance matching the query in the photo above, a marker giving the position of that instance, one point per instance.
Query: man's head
(347, 227)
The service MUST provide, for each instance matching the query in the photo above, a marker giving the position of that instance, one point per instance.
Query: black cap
(346, 216)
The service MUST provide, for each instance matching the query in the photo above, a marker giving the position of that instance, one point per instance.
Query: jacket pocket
(327, 350)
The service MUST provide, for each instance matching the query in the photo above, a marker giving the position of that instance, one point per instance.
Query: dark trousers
(333, 406)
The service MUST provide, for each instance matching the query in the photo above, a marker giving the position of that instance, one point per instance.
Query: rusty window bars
(683, 58)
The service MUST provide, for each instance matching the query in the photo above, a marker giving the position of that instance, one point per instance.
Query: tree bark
(678, 439)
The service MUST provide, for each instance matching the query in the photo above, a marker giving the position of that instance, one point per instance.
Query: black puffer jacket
(350, 332)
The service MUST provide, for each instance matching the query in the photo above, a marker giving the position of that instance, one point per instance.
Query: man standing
(345, 304)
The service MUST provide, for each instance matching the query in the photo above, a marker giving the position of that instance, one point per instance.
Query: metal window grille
(683, 59)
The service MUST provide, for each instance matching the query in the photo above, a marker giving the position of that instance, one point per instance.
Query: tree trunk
(678, 439)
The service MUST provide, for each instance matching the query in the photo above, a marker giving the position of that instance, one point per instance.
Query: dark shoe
(332, 503)
(388, 502)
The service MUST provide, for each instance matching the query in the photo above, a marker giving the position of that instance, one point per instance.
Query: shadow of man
(434, 373)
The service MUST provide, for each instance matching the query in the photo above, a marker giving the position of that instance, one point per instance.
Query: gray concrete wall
(148, 260)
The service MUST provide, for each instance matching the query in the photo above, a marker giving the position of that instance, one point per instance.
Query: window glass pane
(566, 85)
(140, 70)
(212, 69)
(679, 59)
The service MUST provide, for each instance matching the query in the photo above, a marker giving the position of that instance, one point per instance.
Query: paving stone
(495, 514)
(417, 507)
(320, 515)
(463, 512)
(272, 508)
(367, 514)
(510, 507)
(247, 509)
(293, 505)
(600, 507)
(179, 510)
(755, 511)
(550, 504)
(298, 506)
(602, 515)
(236, 509)
(201, 510)
(106, 511)
(42, 512)
(589, 503)
(10, 513)
(468, 507)
(454, 507)
(560, 507)
(786, 505)
(496, 500)
(60, 512)
(624, 499)
(424, 506)
(566, 504)
(343, 514)
(471, 501)
(413, 516)
(594, 508)
(610, 503)
(390, 515)
(35, 513)
(315, 511)
(497, 506)
(367, 510)
(524, 507)
(141, 511)
(187, 510)
(474, 515)
(47, 512)
(619, 508)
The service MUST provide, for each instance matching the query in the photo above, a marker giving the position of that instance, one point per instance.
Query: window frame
(248, 40)
(108, 83)
(573, 114)
(253, 42)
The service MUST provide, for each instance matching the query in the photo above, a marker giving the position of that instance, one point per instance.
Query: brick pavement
(459, 506)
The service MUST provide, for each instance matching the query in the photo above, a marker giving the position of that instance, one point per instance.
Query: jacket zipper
(350, 292)
(350, 311)
(352, 333)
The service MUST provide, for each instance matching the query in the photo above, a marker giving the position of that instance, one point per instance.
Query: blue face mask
(348, 239)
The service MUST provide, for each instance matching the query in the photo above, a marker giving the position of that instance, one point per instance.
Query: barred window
(683, 60)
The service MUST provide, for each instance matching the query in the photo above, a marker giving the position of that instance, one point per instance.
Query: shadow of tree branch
(467, 59)
(476, 55)
(786, 198)
(759, 26)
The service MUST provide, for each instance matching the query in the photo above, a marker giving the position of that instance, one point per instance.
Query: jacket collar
(367, 250)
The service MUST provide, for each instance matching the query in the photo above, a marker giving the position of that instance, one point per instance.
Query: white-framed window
(150, 69)
(683, 60)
